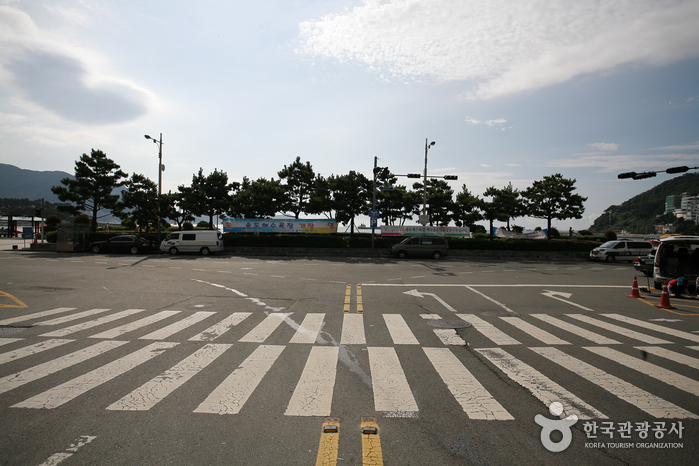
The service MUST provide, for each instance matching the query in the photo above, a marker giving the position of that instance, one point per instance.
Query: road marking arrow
(418, 294)
(559, 295)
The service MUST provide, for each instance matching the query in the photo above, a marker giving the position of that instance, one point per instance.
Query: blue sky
(510, 91)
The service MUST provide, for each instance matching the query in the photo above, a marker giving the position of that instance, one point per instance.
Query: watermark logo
(548, 426)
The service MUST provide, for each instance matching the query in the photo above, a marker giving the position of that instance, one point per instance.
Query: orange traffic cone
(665, 299)
(634, 290)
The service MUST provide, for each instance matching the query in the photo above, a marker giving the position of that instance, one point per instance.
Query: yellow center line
(348, 298)
(329, 441)
(18, 304)
(672, 311)
(371, 443)
(360, 304)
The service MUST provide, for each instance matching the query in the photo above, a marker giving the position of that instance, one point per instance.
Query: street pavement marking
(488, 330)
(620, 330)
(178, 326)
(353, 330)
(230, 396)
(91, 323)
(475, 400)
(131, 326)
(314, 392)
(329, 442)
(154, 391)
(541, 335)
(71, 389)
(360, 303)
(647, 402)
(544, 389)
(7, 341)
(578, 331)
(348, 298)
(309, 329)
(71, 317)
(371, 443)
(42, 370)
(216, 330)
(448, 336)
(399, 330)
(392, 393)
(36, 315)
(17, 302)
(671, 355)
(32, 349)
(265, 328)
(655, 327)
(651, 370)
(78, 443)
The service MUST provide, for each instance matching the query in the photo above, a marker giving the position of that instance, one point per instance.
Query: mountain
(640, 213)
(18, 183)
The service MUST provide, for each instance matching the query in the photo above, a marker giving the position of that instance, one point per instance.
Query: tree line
(299, 190)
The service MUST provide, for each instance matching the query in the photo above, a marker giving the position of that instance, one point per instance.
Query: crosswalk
(530, 350)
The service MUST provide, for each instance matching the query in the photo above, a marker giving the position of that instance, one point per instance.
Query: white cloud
(503, 47)
(612, 163)
(491, 123)
(605, 146)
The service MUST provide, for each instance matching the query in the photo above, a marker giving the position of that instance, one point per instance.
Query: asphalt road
(108, 359)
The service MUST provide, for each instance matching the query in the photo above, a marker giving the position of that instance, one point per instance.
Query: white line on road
(655, 327)
(308, 331)
(475, 400)
(544, 389)
(392, 394)
(131, 326)
(68, 318)
(32, 349)
(488, 330)
(67, 391)
(578, 331)
(620, 330)
(91, 323)
(314, 392)
(671, 355)
(230, 396)
(647, 402)
(178, 326)
(541, 335)
(154, 391)
(265, 328)
(399, 330)
(36, 315)
(353, 330)
(216, 330)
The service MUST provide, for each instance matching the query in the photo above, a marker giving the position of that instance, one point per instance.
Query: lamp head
(148, 137)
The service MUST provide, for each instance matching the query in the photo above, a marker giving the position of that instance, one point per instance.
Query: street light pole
(424, 220)
(160, 174)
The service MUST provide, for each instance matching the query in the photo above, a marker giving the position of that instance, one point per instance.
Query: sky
(510, 92)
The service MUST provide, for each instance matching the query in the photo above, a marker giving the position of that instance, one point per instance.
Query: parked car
(123, 244)
(429, 246)
(621, 250)
(203, 241)
(644, 264)
(677, 256)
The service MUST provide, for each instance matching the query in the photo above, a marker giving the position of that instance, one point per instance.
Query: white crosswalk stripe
(36, 315)
(265, 328)
(620, 330)
(218, 329)
(92, 323)
(32, 349)
(67, 391)
(146, 396)
(131, 326)
(42, 370)
(643, 400)
(393, 395)
(230, 396)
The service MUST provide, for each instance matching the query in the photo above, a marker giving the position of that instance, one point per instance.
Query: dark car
(123, 244)
(644, 264)
(431, 246)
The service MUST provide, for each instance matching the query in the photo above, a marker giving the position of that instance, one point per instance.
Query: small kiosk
(73, 237)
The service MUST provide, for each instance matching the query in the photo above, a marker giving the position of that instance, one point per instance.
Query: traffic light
(677, 169)
(414, 175)
(622, 176)
(451, 177)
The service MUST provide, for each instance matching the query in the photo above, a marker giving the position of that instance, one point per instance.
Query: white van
(203, 241)
(677, 256)
(621, 250)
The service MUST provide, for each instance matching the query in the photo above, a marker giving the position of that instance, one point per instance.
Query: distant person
(677, 287)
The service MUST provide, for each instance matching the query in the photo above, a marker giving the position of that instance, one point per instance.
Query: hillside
(640, 213)
(17, 183)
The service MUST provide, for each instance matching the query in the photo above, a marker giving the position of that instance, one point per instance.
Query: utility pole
(373, 200)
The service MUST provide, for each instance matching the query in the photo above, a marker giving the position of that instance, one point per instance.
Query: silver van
(202, 241)
(677, 256)
(624, 250)
(430, 246)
